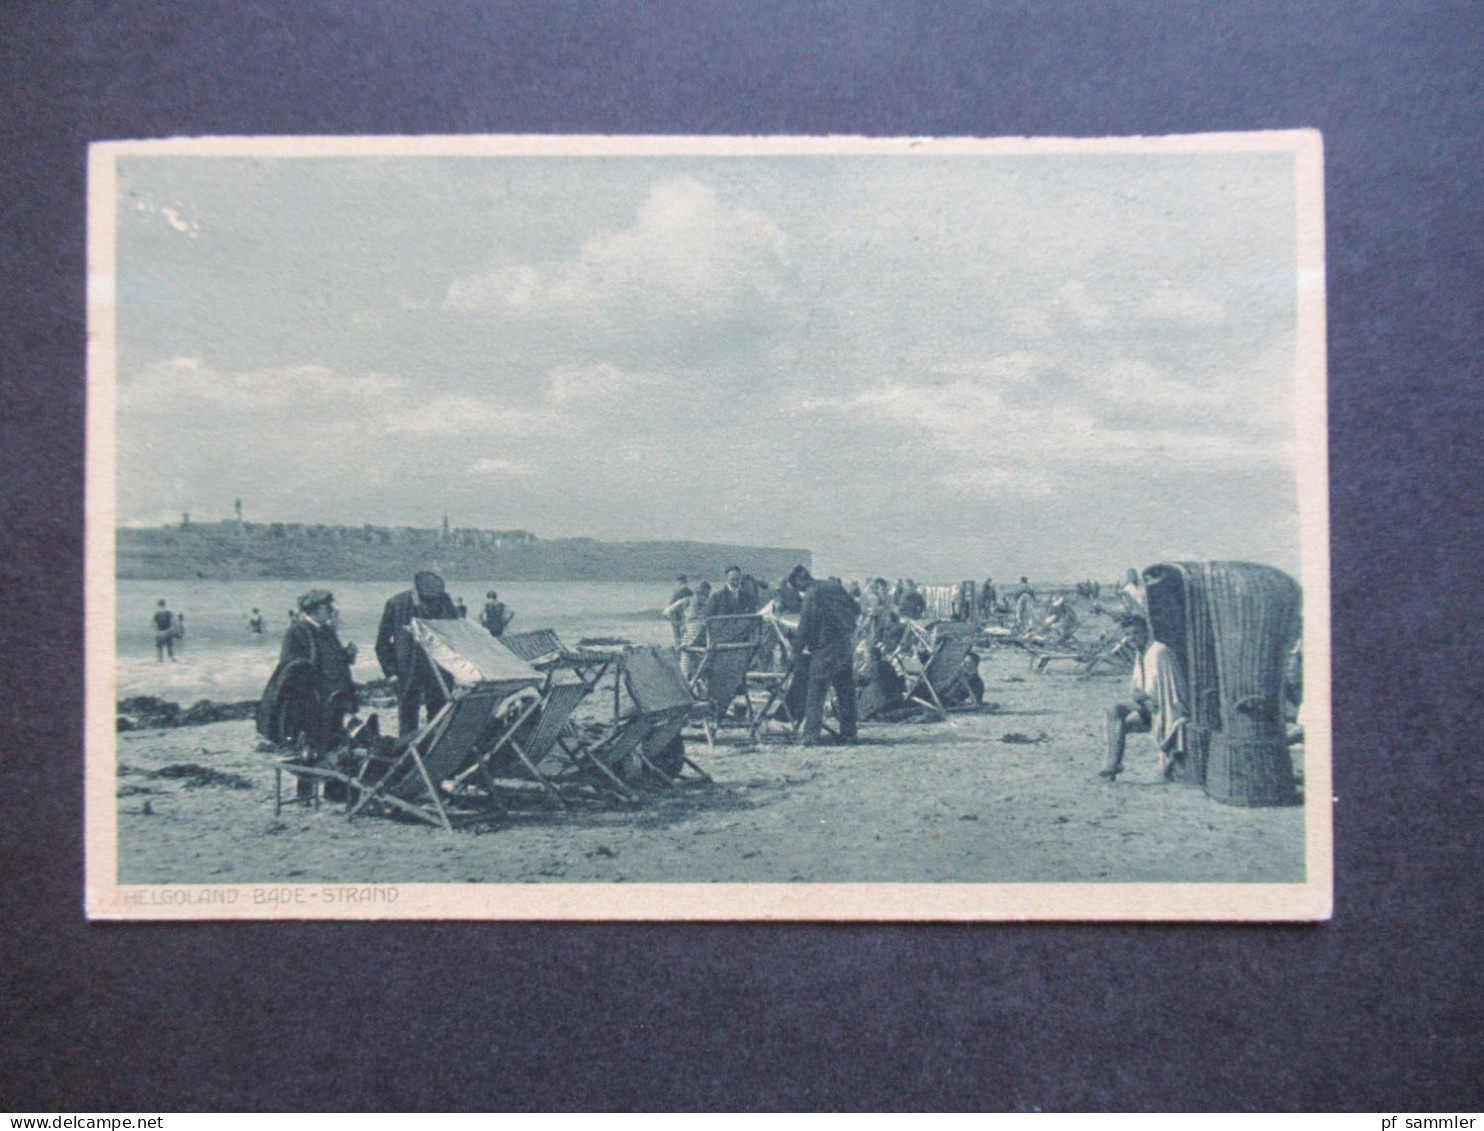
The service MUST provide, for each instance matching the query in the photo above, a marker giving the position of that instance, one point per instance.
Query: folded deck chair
(932, 680)
(544, 650)
(725, 650)
(659, 691)
(431, 776)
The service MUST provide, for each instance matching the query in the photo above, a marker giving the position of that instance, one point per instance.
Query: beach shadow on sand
(653, 808)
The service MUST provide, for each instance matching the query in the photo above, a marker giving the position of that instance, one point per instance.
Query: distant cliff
(222, 551)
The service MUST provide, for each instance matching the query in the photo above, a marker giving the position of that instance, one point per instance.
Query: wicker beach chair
(723, 655)
(1232, 626)
(438, 774)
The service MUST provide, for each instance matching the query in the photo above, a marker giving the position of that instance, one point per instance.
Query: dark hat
(428, 584)
(314, 598)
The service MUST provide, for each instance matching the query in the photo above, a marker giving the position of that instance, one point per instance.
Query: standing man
(400, 657)
(732, 599)
(255, 623)
(675, 610)
(314, 704)
(164, 622)
(913, 604)
(824, 640)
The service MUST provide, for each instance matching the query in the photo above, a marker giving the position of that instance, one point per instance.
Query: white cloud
(974, 436)
(685, 246)
(1167, 304)
(183, 387)
(454, 414)
(598, 381)
(488, 465)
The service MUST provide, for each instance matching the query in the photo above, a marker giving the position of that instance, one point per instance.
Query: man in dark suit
(401, 659)
(826, 627)
(732, 599)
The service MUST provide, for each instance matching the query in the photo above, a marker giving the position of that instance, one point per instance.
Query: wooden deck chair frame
(447, 749)
(543, 649)
(669, 707)
(320, 772)
(1112, 648)
(550, 716)
(939, 673)
(443, 750)
(774, 687)
(623, 738)
(726, 648)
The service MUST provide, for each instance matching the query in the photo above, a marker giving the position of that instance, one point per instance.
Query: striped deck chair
(544, 650)
(429, 776)
(932, 680)
(658, 690)
(938, 600)
(725, 650)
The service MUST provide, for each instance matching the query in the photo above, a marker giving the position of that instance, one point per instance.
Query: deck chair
(774, 687)
(438, 775)
(544, 651)
(932, 680)
(658, 690)
(1113, 648)
(538, 730)
(725, 650)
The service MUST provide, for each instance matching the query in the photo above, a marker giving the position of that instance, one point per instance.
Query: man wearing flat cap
(400, 657)
(311, 691)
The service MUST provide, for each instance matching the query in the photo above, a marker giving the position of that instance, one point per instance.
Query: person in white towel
(1158, 707)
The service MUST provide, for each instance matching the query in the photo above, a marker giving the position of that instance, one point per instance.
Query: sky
(1059, 365)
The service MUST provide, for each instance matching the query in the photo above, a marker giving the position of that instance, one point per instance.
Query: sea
(221, 660)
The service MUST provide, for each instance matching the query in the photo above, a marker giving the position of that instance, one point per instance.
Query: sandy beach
(1003, 795)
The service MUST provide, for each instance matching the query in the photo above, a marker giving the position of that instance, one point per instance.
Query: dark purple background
(1379, 1009)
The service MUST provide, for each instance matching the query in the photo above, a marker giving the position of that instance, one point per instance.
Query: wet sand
(932, 801)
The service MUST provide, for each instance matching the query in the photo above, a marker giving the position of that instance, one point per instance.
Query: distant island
(237, 551)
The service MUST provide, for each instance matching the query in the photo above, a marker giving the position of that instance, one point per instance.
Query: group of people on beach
(311, 692)
(835, 639)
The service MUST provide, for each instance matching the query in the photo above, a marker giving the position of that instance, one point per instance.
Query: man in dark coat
(311, 692)
(732, 599)
(913, 605)
(400, 657)
(789, 596)
(824, 641)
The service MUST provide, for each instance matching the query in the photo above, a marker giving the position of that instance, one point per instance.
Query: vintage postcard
(708, 528)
